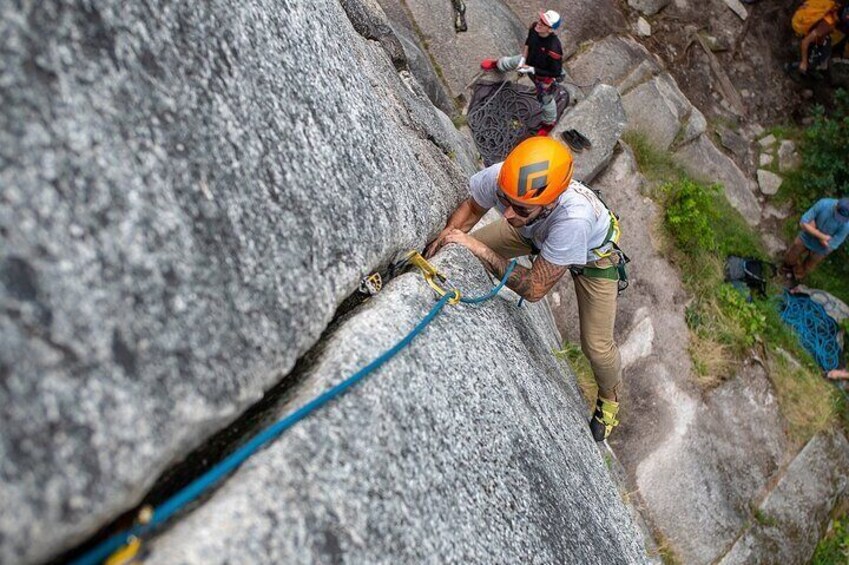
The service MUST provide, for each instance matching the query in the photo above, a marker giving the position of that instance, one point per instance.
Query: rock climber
(542, 60)
(566, 226)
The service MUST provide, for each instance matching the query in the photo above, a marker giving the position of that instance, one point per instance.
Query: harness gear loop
(431, 275)
(613, 234)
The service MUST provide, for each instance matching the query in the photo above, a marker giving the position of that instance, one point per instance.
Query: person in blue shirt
(824, 228)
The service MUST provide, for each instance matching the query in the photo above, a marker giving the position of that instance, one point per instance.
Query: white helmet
(550, 18)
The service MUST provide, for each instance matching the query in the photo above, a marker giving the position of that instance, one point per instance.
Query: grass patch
(700, 229)
(763, 518)
(833, 548)
(459, 121)
(572, 353)
(664, 550)
(784, 131)
(807, 401)
(655, 165)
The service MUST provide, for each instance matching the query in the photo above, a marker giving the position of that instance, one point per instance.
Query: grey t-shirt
(568, 235)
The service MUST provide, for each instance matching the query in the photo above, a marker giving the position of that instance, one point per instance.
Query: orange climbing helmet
(537, 171)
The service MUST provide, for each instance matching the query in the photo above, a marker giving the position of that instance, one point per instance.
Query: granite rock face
(648, 7)
(494, 30)
(657, 108)
(793, 513)
(417, 58)
(704, 161)
(601, 118)
(463, 448)
(188, 192)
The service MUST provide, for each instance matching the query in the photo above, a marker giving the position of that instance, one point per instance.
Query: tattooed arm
(531, 284)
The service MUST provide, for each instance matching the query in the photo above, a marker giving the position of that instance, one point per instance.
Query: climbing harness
(122, 547)
(609, 247)
(817, 332)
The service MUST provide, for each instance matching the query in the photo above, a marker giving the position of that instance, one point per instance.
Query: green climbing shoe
(604, 419)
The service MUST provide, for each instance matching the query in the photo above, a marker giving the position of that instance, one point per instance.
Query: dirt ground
(751, 53)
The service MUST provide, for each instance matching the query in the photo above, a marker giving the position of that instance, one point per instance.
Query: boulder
(601, 118)
(641, 74)
(769, 182)
(734, 142)
(707, 163)
(696, 126)
(656, 109)
(788, 158)
(639, 343)
(788, 523)
(767, 142)
(184, 210)
(695, 459)
(738, 8)
(718, 454)
(775, 246)
(463, 448)
(610, 61)
(643, 27)
(648, 7)
(765, 159)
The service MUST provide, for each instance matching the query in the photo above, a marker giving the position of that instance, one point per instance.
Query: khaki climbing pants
(801, 259)
(596, 299)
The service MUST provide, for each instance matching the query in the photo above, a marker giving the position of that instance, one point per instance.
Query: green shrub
(691, 215)
(825, 154)
(746, 316)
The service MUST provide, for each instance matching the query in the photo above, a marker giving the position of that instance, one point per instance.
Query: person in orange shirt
(817, 37)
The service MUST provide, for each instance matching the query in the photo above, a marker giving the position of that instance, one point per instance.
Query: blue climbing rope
(816, 330)
(495, 289)
(232, 461)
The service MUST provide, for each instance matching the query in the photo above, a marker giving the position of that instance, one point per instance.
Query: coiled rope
(232, 461)
(499, 121)
(816, 331)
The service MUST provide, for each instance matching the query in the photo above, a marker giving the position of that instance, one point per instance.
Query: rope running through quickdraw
(123, 545)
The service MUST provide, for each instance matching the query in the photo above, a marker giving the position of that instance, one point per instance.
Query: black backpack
(749, 270)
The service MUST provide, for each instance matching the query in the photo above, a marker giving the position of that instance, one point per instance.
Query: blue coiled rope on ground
(816, 330)
(232, 461)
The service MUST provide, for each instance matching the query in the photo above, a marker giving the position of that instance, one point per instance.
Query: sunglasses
(520, 210)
